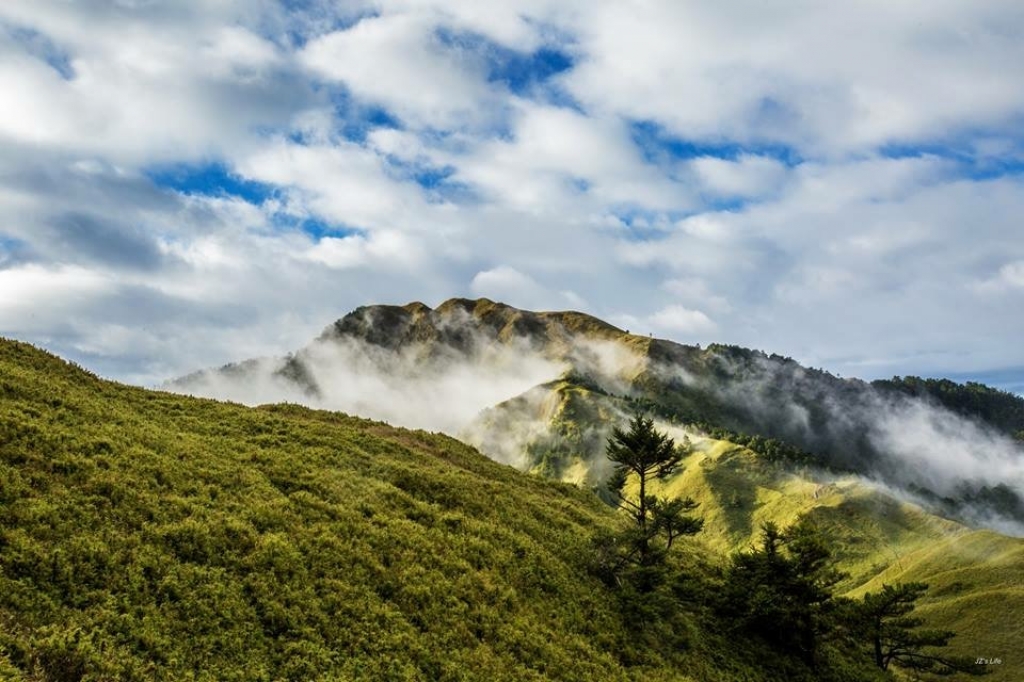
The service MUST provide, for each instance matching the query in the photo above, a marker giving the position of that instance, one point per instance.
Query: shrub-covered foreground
(145, 535)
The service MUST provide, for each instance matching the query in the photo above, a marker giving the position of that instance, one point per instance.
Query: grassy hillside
(556, 430)
(977, 588)
(149, 536)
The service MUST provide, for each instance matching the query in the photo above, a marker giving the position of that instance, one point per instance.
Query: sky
(185, 184)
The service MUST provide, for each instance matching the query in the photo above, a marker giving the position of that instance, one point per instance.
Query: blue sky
(183, 185)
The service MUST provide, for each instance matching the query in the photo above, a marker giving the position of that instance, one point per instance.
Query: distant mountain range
(541, 390)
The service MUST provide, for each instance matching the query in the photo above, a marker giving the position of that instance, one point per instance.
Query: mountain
(147, 535)
(1001, 409)
(541, 390)
(151, 536)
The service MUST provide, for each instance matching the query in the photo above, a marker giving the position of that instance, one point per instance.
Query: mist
(414, 387)
(501, 393)
(906, 442)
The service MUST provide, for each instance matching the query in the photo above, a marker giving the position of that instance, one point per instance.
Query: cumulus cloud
(58, 290)
(749, 176)
(398, 62)
(505, 284)
(143, 83)
(508, 285)
(751, 165)
(682, 320)
(724, 71)
(342, 182)
(558, 159)
(389, 249)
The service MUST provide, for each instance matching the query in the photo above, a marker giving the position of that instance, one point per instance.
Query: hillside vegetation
(975, 576)
(1001, 409)
(149, 536)
(536, 390)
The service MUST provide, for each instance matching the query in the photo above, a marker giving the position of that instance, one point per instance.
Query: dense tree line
(1001, 409)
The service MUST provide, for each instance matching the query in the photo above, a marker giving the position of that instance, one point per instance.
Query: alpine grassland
(151, 536)
(974, 576)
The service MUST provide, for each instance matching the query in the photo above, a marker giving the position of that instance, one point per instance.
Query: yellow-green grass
(976, 581)
(976, 577)
(145, 535)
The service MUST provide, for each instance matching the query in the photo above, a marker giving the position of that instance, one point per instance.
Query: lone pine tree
(647, 453)
(896, 637)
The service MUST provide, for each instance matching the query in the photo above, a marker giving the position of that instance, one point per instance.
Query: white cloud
(1009, 277)
(503, 281)
(145, 84)
(673, 321)
(387, 249)
(517, 25)
(508, 285)
(236, 53)
(677, 319)
(1013, 274)
(47, 292)
(559, 158)
(800, 75)
(842, 256)
(694, 291)
(396, 61)
(749, 176)
(340, 181)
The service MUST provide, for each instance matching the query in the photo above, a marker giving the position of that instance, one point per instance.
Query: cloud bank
(417, 386)
(187, 184)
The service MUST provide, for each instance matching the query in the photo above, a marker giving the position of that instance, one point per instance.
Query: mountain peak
(472, 306)
(416, 308)
(464, 322)
(444, 367)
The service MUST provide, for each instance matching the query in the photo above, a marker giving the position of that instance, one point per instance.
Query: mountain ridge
(146, 535)
(65, 433)
(449, 352)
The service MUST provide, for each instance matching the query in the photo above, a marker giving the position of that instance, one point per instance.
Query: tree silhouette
(783, 590)
(895, 636)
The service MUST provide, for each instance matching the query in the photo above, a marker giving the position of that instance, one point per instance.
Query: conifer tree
(783, 590)
(896, 638)
(647, 454)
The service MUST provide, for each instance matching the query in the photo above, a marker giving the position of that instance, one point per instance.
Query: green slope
(556, 430)
(145, 535)
(976, 576)
(149, 536)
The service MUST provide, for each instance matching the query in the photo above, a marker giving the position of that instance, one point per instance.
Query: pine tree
(646, 453)
(783, 590)
(896, 638)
